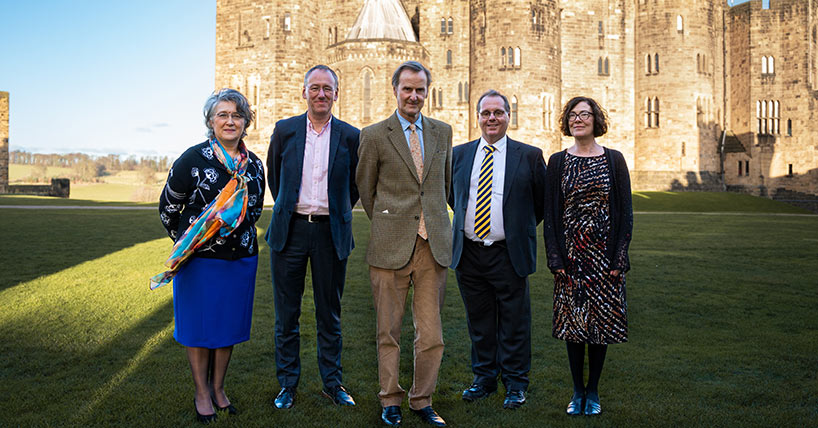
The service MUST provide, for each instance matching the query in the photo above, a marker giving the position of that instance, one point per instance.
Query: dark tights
(576, 360)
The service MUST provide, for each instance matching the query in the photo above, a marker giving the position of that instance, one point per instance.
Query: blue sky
(101, 76)
(123, 77)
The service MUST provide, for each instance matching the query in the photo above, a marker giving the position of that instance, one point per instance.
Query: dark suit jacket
(285, 159)
(523, 203)
(393, 195)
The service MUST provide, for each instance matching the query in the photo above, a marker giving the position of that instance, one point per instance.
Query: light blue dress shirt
(404, 124)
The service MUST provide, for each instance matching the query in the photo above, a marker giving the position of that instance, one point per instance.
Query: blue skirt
(213, 301)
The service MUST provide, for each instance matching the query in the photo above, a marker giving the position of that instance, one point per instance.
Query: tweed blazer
(393, 195)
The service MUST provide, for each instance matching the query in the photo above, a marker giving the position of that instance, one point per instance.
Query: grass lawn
(723, 329)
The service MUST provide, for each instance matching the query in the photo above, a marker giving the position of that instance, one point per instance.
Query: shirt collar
(404, 124)
(325, 129)
(499, 145)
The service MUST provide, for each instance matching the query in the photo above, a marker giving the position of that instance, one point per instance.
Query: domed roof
(382, 19)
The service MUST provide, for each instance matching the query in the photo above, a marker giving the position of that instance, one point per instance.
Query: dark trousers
(308, 242)
(498, 312)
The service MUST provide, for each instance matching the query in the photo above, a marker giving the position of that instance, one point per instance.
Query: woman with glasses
(209, 206)
(588, 225)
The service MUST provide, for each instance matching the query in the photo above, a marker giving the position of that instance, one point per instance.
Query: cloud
(151, 128)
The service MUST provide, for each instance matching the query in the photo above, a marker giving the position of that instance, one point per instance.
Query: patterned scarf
(222, 215)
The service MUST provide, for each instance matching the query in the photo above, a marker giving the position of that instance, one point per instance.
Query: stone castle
(700, 95)
(4, 141)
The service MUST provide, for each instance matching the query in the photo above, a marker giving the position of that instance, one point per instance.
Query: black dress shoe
(285, 398)
(339, 395)
(205, 419)
(514, 399)
(391, 416)
(228, 408)
(476, 392)
(428, 415)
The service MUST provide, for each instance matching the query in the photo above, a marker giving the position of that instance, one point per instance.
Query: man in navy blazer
(498, 186)
(311, 166)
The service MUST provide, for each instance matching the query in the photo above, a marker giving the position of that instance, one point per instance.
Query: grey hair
(414, 66)
(321, 67)
(231, 95)
(493, 93)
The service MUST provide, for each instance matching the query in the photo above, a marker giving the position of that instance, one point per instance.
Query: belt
(312, 218)
(495, 244)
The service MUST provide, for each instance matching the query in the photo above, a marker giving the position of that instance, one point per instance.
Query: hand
(615, 273)
(559, 272)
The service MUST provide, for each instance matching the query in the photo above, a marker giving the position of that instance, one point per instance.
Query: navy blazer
(523, 203)
(285, 160)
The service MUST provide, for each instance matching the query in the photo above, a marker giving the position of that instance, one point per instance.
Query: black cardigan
(621, 212)
(196, 178)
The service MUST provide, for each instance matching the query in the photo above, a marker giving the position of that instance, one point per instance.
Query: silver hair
(231, 95)
(412, 66)
(321, 67)
(493, 93)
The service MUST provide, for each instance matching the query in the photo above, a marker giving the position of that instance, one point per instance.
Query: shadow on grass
(38, 243)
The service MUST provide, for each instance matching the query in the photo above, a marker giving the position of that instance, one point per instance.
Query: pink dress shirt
(312, 199)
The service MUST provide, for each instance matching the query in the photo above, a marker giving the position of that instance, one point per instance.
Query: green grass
(723, 331)
(709, 202)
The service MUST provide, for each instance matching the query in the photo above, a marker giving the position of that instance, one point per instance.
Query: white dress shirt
(496, 232)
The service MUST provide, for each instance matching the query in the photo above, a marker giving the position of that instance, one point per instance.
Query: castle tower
(380, 40)
(515, 50)
(263, 49)
(679, 94)
(773, 97)
(4, 142)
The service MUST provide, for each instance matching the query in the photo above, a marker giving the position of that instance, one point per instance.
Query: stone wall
(59, 187)
(4, 141)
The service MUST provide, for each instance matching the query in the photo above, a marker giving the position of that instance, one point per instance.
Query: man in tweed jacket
(403, 176)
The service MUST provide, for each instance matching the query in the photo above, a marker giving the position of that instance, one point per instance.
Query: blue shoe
(592, 407)
(285, 398)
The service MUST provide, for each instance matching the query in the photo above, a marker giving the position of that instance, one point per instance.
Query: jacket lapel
(300, 143)
(465, 171)
(430, 142)
(334, 140)
(398, 139)
(512, 161)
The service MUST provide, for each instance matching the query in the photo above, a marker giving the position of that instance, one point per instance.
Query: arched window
(698, 63)
(699, 110)
(434, 98)
(449, 58)
(451, 25)
(763, 65)
(776, 118)
(440, 98)
(442, 25)
(502, 57)
(329, 37)
(517, 58)
(599, 66)
(758, 117)
(607, 69)
(656, 62)
(648, 66)
(367, 96)
(460, 92)
(763, 117)
(648, 113)
(656, 112)
(510, 56)
(680, 24)
(514, 111)
(466, 91)
(770, 117)
(771, 65)
(789, 127)
(548, 111)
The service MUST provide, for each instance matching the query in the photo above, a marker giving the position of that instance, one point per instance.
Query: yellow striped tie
(482, 211)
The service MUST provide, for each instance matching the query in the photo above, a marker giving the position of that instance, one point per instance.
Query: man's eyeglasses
(584, 115)
(485, 114)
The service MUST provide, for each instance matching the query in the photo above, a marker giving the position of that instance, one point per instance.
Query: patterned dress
(589, 305)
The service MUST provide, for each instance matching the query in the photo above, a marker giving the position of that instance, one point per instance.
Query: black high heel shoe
(228, 408)
(205, 419)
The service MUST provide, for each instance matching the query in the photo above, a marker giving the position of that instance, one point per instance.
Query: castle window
(683, 148)
(599, 28)
(548, 112)
(451, 25)
(680, 24)
(267, 27)
(517, 58)
(460, 92)
(763, 117)
(758, 117)
(789, 127)
(440, 98)
(514, 111)
(502, 57)
(656, 112)
(607, 69)
(776, 119)
(442, 25)
(698, 63)
(699, 111)
(648, 65)
(740, 164)
(449, 58)
(771, 65)
(747, 167)
(434, 98)
(763, 65)
(656, 63)
(648, 116)
(335, 34)
(511, 60)
(329, 37)
(466, 91)
(286, 24)
(599, 66)
(367, 96)
(789, 170)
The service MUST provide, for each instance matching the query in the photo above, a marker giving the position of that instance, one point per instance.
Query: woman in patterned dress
(214, 278)
(588, 225)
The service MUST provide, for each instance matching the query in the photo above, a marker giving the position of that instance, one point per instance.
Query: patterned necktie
(417, 157)
(482, 211)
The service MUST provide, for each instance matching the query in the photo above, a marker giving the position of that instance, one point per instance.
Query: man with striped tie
(498, 198)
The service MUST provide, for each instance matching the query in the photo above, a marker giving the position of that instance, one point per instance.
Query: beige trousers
(389, 289)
